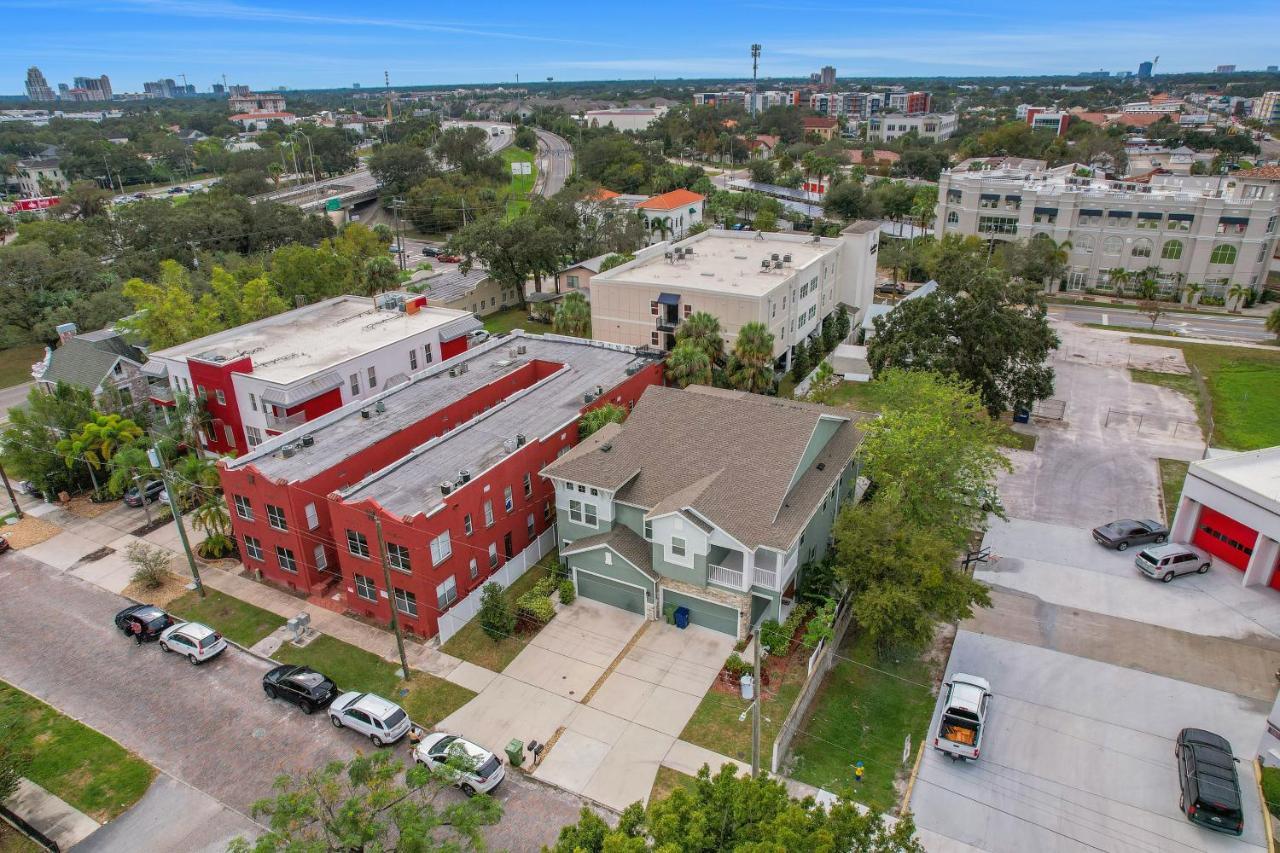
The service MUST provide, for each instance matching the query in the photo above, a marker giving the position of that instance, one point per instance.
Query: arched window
(1223, 254)
(1112, 246)
(1083, 244)
(1171, 250)
(953, 218)
(1141, 248)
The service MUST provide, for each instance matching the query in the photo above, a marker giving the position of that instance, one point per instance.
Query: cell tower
(755, 63)
(386, 78)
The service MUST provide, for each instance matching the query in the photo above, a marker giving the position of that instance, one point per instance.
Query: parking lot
(1078, 755)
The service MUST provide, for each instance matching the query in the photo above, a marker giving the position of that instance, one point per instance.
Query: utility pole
(386, 78)
(755, 708)
(12, 497)
(391, 596)
(157, 459)
(396, 205)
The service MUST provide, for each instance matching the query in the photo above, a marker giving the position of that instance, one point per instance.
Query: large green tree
(400, 166)
(688, 364)
(750, 365)
(728, 812)
(573, 316)
(29, 444)
(530, 246)
(702, 329)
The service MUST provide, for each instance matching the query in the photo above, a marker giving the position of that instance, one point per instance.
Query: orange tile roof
(602, 194)
(1141, 119)
(671, 200)
(820, 121)
(1267, 173)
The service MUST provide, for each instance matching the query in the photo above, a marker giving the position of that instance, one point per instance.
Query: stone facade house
(102, 362)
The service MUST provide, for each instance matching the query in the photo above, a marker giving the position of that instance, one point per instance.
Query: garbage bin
(1022, 416)
(682, 617)
(515, 752)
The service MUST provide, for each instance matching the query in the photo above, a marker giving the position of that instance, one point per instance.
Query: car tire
(165, 648)
(270, 691)
(195, 661)
(377, 741)
(306, 707)
(467, 789)
(333, 718)
(1168, 576)
(1123, 546)
(1160, 539)
(1204, 568)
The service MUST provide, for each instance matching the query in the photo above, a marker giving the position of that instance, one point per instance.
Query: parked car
(964, 714)
(1207, 777)
(4, 543)
(1167, 561)
(472, 768)
(1125, 532)
(150, 620)
(301, 685)
(27, 487)
(479, 336)
(430, 252)
(149, 492)
(449, 259)
(176, 190)
(890, 287)
(195, 641)
(382, 720)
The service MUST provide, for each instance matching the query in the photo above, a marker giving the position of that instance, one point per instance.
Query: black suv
(146, 619)
(301, 685)
(1210, 787)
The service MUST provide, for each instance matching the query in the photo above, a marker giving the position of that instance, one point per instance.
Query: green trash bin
(515, 752)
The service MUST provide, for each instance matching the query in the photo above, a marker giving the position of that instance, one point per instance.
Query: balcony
(161, 395)
(284, 423)
(668, 324)
(725, 576)
(767, 578)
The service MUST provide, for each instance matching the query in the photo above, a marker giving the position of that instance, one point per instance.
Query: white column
(1184, 523)
(1262, 563)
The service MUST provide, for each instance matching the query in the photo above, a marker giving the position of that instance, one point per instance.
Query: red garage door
(1225, 538)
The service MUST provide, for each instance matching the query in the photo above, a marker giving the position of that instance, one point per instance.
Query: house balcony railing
(160, 394)
(284, 423)
(668, 325)
(767, 578)
(724, 575)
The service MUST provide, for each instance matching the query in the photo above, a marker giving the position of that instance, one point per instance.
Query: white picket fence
(465, 609)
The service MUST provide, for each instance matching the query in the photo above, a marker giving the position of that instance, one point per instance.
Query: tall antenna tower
(755, 64)
(386, 78)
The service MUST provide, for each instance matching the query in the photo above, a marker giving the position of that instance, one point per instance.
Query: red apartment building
(448, 463)
(265, 378)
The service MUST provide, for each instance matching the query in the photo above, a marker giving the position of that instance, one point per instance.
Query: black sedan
(301, 685)
(1121, 534)
(145, 619)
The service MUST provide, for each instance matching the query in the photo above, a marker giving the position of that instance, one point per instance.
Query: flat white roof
(727, 262)
(299, 343)
(1253, 475)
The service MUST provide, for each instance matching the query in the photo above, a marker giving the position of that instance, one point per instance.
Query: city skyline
(325, 46)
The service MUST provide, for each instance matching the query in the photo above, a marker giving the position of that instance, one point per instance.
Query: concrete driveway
(1099, 462)
(609, 748)
(1068, 769)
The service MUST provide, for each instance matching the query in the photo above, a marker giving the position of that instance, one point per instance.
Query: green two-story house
(707, 499)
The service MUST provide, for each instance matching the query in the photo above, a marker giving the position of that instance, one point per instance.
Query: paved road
(1242, 328)
(11, 397)
(555, 162)
(207, 727)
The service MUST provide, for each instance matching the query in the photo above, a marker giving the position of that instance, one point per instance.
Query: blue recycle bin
(682, 617)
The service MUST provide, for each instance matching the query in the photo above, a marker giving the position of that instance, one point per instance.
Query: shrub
(543, 587)
(669, 614)
(567, 592)
(496, 618)
(772, 636)
(736, 666)
(150, 564)
(534, 608)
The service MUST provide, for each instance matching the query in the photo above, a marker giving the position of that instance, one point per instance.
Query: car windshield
(395, 719)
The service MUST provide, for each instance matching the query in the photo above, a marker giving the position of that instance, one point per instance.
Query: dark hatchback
(301, 685)
(151, 619)
(1210, 786)
(1121, 534)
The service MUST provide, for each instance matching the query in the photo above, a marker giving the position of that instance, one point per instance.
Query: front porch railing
(724, 575)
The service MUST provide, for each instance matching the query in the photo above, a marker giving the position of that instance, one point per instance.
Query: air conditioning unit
(786, 259)
(287, 451)
(764, 265)
(308, 440)
(462, 368)
(512, 353)
(365, 413)
(464, 476)
(588, 397)
(777, 265)
(688, 250)
(453, 371)
(446, 487)
(509, 445)
(774, 257)
(520, 439)
(379, 407)
(521, 350)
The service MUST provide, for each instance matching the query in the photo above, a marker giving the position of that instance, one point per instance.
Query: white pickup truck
(964, 713)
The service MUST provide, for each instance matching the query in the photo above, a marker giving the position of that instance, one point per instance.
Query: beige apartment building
(789, 282)
(1215, 231)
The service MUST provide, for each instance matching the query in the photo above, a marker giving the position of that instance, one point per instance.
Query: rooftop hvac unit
(521, 350)
(688, 250)
(777, 265)
(308, 440)
(464, 476)
(633, 369)
(588, 397)
(364, 413)
(520, 439)
(453, 371)
(786, 259)
(513, 352)
(509, 445)
(446, 487)
(287, 451)
(462, 368)
(668, 255)
(774, 257)
(764, 265)
(379, 407)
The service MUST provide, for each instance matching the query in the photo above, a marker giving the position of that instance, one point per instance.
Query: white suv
(381, 720)
(472, 768)
(197, 642)
(1167, 561)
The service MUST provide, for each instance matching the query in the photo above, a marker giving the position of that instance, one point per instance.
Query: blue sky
(322, 43)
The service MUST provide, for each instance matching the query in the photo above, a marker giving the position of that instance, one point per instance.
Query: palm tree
(1236, 294)
(751, 364)
(380, 275)
(662, 225)
(1119, 278)
(213, 518)
(703, 331)
(274, 170)
(1193, 291)
(688, 364)
(195, 478)
(127, 466)
(97, 441)
(573, 316)
(1058, 257)
(1273, 322)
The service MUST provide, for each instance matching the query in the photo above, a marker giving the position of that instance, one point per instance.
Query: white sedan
(381, 720)
(472, 768)
(197, 642)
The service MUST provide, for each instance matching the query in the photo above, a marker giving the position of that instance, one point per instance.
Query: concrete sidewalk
(50, 815)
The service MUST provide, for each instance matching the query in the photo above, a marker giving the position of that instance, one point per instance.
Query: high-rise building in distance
(37, 87)
(1144, 70)
(95, 88)
(828, 78)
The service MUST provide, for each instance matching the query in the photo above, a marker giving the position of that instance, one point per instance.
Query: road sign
(521, 168)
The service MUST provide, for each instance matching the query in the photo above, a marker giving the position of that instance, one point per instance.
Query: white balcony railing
(284, 423)
(725, 576)
(765, 577)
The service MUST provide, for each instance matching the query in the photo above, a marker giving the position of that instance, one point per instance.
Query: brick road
(208, 726)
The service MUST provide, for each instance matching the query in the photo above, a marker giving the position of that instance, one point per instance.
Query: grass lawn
(513, 318)
(1271, 789)
(15, 364)
(236, 620)
(667, 781)
(12, 841)
(1244, 385)
(1168, 333)
(426, 699)
(1173, 472)
(866, 714)
(519, 186)
(474, 645)
(87, 769)
(715, 723)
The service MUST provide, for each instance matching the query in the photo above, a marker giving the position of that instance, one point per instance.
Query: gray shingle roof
(451, 285)
(624, 542)
(664, 458)
(84, 361)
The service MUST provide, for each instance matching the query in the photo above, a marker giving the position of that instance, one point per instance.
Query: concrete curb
(911, 781)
